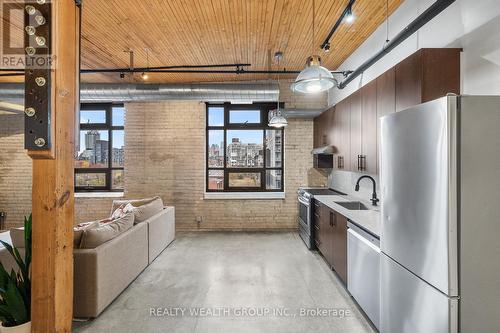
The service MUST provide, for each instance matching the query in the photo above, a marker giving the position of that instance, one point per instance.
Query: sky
(99, 117)
(216, 118)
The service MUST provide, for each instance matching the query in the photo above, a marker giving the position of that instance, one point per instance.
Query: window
(99, 163)
(243, 152)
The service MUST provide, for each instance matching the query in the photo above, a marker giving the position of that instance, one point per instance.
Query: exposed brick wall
(165, 154)
(15, 170)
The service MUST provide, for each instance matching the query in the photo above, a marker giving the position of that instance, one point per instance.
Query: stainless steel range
(306, 212)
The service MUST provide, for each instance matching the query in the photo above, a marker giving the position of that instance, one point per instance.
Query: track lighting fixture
(144, 76)
(122, 76)
(349, 16)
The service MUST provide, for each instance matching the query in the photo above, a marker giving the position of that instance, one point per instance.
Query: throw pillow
(118, 212)
(143, 209)
(94, 237)
(79, 229)
(17, 237)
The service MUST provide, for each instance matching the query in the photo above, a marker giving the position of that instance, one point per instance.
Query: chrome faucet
(374, 198)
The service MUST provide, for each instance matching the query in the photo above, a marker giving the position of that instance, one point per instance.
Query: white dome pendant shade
(276, 119)
(314, 78)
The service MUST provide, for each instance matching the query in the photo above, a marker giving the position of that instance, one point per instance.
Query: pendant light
(276, 118)
(314, 78)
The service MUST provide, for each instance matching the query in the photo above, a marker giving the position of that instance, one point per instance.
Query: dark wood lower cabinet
(331, 238)
(339, 246)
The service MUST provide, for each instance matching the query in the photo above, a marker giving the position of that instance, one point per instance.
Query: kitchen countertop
(366, 219)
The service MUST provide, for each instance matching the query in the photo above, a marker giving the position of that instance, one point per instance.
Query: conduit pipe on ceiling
(420, 21)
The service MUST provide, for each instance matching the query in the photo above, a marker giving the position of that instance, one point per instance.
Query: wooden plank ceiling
(182, 32)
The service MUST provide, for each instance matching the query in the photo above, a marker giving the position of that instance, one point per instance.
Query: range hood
(323, 157)
(325, 150)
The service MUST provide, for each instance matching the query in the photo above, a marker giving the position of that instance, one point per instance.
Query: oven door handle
(304, 202)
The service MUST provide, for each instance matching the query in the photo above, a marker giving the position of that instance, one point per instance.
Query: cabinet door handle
(361, 162)
(332, 217)
(335, 220)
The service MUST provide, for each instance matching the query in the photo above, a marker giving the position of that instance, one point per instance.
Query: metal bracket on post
(38, 93)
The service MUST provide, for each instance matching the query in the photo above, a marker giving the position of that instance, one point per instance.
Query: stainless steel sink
(352, 205)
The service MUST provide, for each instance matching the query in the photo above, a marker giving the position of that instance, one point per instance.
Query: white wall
(473, 25)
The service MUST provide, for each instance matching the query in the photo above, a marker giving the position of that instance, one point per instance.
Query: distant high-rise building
(91, 138)
(118, 156)
(244, 154)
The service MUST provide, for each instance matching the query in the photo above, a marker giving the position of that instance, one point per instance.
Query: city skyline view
(244, 149)
(95, 151)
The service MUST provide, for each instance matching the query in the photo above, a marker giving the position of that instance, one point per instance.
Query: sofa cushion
(17, 234)
(93, 237)
(143, 209)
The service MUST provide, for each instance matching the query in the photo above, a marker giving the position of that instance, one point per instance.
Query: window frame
(109, 127)
(264, 109)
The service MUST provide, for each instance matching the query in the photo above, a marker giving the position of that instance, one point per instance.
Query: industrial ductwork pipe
(206, 92)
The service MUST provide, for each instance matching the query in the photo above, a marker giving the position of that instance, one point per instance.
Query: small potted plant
(15, 288)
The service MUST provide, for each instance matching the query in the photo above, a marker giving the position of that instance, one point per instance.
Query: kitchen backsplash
(345, 181)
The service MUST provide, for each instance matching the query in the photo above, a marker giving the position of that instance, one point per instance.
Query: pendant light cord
(387, 21)
(313, 24)
(278, 113)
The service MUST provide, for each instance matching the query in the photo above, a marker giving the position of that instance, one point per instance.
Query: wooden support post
(53, 183)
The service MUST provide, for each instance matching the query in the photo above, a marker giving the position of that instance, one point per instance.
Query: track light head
(349, 17)
(326, 48)
(122, 76)
(144, 75)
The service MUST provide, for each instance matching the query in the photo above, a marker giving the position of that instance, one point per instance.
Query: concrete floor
(271, 276)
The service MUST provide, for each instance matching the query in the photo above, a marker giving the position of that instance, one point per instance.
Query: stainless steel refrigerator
(440, 241)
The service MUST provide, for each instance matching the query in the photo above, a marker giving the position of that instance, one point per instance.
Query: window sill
(243, 195)
(99, 194)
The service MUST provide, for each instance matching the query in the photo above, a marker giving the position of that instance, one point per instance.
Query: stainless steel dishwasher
(363, 271)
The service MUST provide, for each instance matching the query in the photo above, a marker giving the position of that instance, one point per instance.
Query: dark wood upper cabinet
(319, 127)
(342, 120)
(356, 130)
(352, 126)
(426, 75)
(368, 159)
(332, 127)
(322, 129)
(386, 100)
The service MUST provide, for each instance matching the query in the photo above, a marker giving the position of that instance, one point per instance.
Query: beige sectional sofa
(102, 273)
